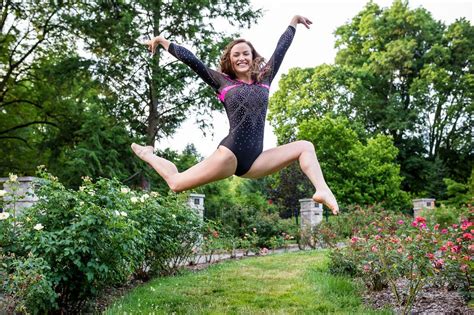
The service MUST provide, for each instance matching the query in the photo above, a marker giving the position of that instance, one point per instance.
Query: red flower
(455, 249)
(401, 222)
(354, 240)
(467, 236)
(436, 227)
(459, 240)
(471, 247)
(465, 225)
(430, 256)
(449, 243)
(420, 220)
(443, 248)
(455, 226)
(444, 231)
(439, 263)
(414, 224)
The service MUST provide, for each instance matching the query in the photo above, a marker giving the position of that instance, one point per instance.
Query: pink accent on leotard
(221, 96)
(225, 90)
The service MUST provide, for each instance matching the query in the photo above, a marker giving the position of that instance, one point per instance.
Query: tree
(156, 93)
(359, 172)
(398, 72)
(62, 63)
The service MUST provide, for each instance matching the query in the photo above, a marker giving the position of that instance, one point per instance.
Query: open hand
(152, 44)
(298, 19)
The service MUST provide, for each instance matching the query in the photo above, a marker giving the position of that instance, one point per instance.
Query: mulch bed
(430, 300)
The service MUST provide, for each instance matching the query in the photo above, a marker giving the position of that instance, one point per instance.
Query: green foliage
(80, 242)
(31, 285)
(459, 194)
(419, 251)
(357, 173)
(77, 109)
(397, 72)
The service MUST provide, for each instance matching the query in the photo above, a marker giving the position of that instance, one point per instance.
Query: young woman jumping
(242, 84)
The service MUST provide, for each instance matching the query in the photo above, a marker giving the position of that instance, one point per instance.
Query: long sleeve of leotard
(275, 61)
(211, 77)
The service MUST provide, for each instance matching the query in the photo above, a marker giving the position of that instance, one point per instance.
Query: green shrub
(30, 285)
(79, 242)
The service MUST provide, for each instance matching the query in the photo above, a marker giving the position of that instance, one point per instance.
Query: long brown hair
(258, 62)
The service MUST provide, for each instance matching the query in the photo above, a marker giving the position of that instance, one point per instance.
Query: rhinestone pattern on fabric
(245, 104)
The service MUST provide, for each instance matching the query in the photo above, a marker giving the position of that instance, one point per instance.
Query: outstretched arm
(211, 77)
(284, 43)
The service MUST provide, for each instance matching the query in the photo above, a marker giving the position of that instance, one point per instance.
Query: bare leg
(219, 165)
(273, 160)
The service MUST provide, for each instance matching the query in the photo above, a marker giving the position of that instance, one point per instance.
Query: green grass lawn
(292, 283)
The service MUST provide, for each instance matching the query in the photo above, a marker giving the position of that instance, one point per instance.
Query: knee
(306, 146)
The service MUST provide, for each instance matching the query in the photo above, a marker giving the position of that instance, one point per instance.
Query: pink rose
(354, 240)
(439, 263)
(436, 227)
(467, 236)
(430, 256)
(444, 231)
(449, 243)
(455, 249)
(400, 222)
(420, 220)
(443, 248)
(414, 224)
(374, 249)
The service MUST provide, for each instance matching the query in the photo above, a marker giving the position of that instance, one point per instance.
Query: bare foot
(326, 197)
(141, 151)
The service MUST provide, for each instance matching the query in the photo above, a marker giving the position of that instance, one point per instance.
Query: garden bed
(430, 300)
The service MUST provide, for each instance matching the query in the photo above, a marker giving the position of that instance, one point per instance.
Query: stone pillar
(420, 204)
(25, 193)
(311, 213)
(196, 201)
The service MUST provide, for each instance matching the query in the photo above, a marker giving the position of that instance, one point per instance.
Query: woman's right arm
(211, 77)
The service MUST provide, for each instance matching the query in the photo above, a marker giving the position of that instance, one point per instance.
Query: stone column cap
(20, 179)
(197, 195)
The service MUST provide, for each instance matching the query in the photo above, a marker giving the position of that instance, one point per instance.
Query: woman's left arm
(271, 68)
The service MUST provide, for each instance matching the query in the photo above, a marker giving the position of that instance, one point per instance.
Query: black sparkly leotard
(245, 104)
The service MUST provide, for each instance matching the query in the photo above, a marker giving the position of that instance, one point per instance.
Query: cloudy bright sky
(310, 48)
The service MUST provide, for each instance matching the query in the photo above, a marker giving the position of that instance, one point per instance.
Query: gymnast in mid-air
(242, 85)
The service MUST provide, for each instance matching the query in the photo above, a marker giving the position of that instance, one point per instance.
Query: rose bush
(413, 249)
(79, 242)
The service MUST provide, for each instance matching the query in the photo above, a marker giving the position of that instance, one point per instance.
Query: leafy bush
(419, 251)
(79, 242)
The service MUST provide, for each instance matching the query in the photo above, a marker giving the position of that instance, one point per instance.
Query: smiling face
(241, 59)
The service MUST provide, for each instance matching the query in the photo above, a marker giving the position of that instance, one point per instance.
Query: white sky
(310, 48)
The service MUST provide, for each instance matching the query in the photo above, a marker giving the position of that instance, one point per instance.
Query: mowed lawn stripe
(291, 283)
